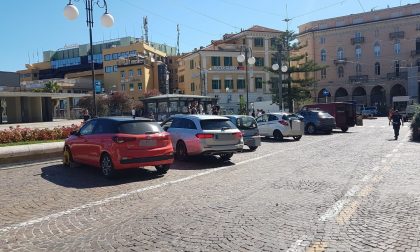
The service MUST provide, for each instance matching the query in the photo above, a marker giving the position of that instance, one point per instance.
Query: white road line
(25, 165)
(299, 245)
(124, 195)
(334, 210)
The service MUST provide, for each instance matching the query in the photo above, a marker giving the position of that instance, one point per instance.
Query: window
(376, 33)
(322, 40)
(377, 49)
(258, 42)
(87, 129)
(340, 53)
(115, 56)
(122, 74)
(259, 61)
(131, 87)
(107, 57)
(192, 86)
(229, 84)
(377, 68)
(358, 69)
(323, 73)
(191, 64)
(181, 79)
(397, 67)
(140, 86)
(358, 35)
(418, 65)
(397, 46)
(131, 73)
(227, 61)
(258, 82)
(123, 87)
(215, 61)
(323, 55)
(417, 45)
(240, 83)
(273, 42)
(108, 69)
(358, 51)
(215, 84)
(139, 72)
(115, 68)
(340, 72)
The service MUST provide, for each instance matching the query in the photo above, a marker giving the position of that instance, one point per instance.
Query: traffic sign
(325, 92)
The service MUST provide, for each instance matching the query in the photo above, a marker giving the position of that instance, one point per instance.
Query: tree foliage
(298, 65)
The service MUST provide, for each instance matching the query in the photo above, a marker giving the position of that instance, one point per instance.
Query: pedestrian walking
(86, 115)
(133, 113)
(397, 121)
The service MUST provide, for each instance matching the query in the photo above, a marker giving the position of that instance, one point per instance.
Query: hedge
(22, 134)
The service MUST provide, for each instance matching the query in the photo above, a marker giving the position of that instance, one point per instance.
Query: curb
(29, 152)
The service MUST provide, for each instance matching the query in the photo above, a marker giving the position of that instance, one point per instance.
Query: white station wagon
(279, 125)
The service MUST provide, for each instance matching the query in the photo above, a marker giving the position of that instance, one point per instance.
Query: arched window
(340, 53)
(377, 49)
(358, 68)
(358, 51)
(340, 72)
(323, 55)
(417, 44)
(377, 68)
(397, 46)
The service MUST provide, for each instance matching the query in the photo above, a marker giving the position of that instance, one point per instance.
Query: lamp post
(71, 12)
(251, 61)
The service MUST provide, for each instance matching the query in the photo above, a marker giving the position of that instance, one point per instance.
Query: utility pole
(177, 39)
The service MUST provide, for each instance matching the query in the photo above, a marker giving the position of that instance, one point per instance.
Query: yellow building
(215, 71)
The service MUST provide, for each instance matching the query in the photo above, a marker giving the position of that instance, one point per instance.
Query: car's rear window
(139, 128)
(245, 123)
(216, 124)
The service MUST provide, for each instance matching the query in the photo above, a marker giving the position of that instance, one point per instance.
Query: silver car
(279, 125)
(248, 126)
(203, 135)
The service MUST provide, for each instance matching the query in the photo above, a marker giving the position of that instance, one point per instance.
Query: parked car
(369, 111)
(249, 128)
(317, 120)
(343, 112)
(116, 143)
(279, 125)
(203, 135)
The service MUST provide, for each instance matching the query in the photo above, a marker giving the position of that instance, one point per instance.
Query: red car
(116, 143)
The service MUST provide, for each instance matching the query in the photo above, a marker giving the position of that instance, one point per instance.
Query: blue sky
(30, 27)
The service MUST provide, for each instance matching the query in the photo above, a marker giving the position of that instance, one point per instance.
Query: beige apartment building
(371, 56)
(214, 70)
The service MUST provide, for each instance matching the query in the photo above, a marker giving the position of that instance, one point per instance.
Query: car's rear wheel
(67, 157)
(344, 128)
(107, 168)
(226, 156)
(253, 148)
(310, 128)
(181, 151)
(162, 169)
(297, 138)
(278, 136)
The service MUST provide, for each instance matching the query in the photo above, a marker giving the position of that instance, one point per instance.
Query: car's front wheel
(107, 168)
(68, 158)
(297, 138)
(310, 129)
(226, 156)
(278, 136)
(252, 148)
(344, 128)
(162, 169)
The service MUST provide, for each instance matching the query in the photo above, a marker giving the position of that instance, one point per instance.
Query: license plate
(223, 137)
(148, 142)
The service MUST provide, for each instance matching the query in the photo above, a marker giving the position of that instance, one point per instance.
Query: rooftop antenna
(287, 19)
(177, 39)
(146, 29)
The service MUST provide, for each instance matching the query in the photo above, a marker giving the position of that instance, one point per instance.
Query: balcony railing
(400, 75)
(131, 78)
(396, 35)
(357, 40)
(128, 62)
(358, 78)
(415, 53)
(340, 61)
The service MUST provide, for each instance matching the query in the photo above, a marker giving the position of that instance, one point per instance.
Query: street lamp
(251, 61)
(71, 12)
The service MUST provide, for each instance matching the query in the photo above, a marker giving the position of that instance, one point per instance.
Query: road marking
(365, 191)
(25, 165)
(334, 210)
(300, 244)
(347, 212)
(125, 195)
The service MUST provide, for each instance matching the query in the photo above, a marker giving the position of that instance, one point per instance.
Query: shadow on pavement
(82, 177)
(200, 162)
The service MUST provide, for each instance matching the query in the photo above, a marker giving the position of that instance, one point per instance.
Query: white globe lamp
(251, 61)
(107, 20)
(240, 58)
(71, 12)
(275, 67)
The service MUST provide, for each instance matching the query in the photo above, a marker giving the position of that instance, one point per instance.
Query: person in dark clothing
(397, 121)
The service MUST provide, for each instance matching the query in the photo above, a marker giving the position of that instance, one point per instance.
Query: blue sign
(325, 92)
(98, 87)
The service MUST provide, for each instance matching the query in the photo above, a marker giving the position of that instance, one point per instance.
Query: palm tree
(51, 87)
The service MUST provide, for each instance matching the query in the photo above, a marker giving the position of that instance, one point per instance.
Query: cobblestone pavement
(355, 191)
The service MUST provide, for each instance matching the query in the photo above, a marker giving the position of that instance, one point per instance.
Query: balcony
(357, 40)
(400, 75)
(414, 53)
(131, 79)
(130, 62)
(340, 61)
(358, 78)
(396, 35)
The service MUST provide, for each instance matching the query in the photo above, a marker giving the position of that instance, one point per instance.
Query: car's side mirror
(165, 128)
(74, 133)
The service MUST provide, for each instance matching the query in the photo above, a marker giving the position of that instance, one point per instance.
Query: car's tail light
(204, 136)
(238, 134)
(163, 136)
(283, 122)
(119, 139)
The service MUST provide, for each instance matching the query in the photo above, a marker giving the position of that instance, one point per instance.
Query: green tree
(298, 89)
(51, 87)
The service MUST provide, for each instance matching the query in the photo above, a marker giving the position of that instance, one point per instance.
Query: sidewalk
(28, 152)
